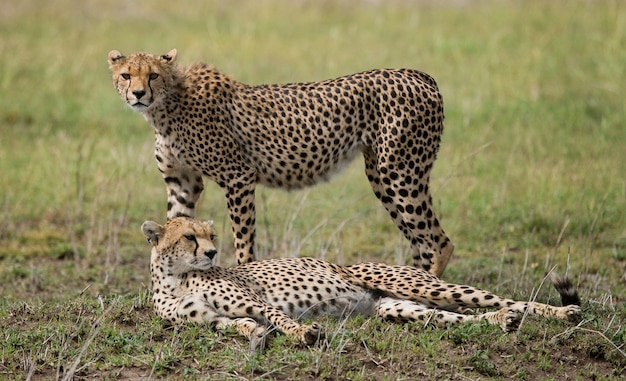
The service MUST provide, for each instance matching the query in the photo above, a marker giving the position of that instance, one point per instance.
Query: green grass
(529, 176)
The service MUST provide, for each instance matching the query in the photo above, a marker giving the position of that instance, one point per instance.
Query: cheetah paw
(258, 339)
(510, 319)
(571, 313)
(311, 333)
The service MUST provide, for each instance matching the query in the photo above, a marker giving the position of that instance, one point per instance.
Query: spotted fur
(291, 136)
(188, 286)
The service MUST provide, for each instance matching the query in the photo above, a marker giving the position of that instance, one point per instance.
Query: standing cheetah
(188, 286)
(291, 136)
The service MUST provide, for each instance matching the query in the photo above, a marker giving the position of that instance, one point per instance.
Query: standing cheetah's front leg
(240, 197)
(184, 184)
(183, 191)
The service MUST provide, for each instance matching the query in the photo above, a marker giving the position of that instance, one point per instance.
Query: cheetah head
(142, 79)
(181, 245)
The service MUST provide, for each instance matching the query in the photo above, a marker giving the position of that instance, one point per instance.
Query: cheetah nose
(211, 253)
(139, 93)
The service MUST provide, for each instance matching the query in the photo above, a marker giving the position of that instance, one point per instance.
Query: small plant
(482, 364)
(544, 362)
(470, 333)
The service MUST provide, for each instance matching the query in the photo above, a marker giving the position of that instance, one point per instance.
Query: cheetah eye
(154, 76)
(190, 237)
(126, 76)
(212, 237)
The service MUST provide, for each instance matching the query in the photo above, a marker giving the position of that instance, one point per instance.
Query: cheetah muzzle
(291, 136)
(253, 297)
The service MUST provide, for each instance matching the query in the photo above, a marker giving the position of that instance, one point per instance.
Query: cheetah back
(296, 135)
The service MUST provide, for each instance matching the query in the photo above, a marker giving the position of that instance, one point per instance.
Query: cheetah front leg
(184, 184)
(183, 190)
(246, 327)
(241, 207)
(307, 334)
(195, 308)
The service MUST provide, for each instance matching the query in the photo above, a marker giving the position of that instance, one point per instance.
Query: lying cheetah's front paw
(258, 338)
(311, 333)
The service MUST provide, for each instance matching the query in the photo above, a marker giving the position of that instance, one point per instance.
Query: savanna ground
(530, 176)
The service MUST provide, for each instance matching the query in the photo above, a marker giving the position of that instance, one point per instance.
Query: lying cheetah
(187, 285)
(291, 136)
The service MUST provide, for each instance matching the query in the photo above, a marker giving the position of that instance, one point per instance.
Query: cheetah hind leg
(427, 289)
(569, 298)
(413, 214)
(408, 310)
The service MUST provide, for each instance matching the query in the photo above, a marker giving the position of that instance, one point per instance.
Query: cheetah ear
(210, 222)
(152, 231)
(170, 56)
(115, 55)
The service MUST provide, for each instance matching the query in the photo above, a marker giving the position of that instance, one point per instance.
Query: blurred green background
(532, 156)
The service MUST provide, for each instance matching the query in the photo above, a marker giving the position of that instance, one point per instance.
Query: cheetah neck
(167, 283)
(164, 282)
(160, 114)
(191, 87)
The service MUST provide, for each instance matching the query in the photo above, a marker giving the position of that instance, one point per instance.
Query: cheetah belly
(307, 287)
(298, 136)
(297, 167)
(305, 304)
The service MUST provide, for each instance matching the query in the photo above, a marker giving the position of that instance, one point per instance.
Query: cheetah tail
(569, 294)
